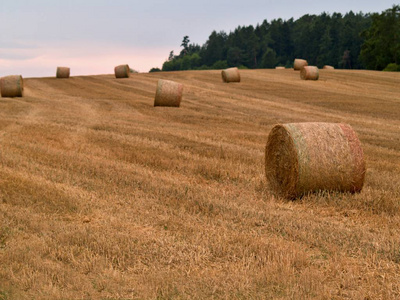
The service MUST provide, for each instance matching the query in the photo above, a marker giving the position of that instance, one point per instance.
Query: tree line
(350, 41)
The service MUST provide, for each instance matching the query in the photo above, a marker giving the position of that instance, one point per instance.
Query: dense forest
(351, 41)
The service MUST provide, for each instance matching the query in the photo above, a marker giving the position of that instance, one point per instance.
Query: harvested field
(103, 196)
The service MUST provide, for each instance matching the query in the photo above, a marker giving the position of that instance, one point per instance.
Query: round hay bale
(62, 72)
(299, 64)
(307, 157)
(122, 71)
(230, 75)
(309, 73)
(12, 86)
(326, 67)
(280, 68)
(168, 93)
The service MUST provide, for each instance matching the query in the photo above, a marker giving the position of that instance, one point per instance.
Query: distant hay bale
(309, 73)
(327, 67)
(307, 157)
(280, 68)
(122, 71)
(12, 86)
(62, 72)
(168, 93)
(230, 75)
(299, 64)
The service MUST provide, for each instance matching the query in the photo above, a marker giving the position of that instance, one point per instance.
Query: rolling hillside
(103, 196)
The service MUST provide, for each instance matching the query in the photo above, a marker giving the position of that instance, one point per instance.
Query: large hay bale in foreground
(12, 86)
(168, 93)
(230, 75)
(307, 157)
(309, 73)
(299, 64)
(62, 72)
(327, 67)
(122, 71)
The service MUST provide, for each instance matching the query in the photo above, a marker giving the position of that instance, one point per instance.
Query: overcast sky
(93, 36)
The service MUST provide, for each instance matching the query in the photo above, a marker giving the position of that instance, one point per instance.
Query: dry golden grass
(103, 196)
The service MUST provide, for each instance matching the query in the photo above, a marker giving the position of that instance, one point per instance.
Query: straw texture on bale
(280, 68)
(301, 158)
(62, 72)
(122, 71)
(309, 73)
(12, 86)
(299, 64)
(326, 67)
(168, 93)
(230, 75)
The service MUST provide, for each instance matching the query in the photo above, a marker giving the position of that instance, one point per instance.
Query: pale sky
(93, 36)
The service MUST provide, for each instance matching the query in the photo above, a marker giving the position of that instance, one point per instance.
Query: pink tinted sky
(90, 59)
(93, 36)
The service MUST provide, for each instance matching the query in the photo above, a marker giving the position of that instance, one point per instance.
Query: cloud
(17, 54)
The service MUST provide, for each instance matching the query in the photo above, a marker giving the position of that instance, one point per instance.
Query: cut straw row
(300, 158)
